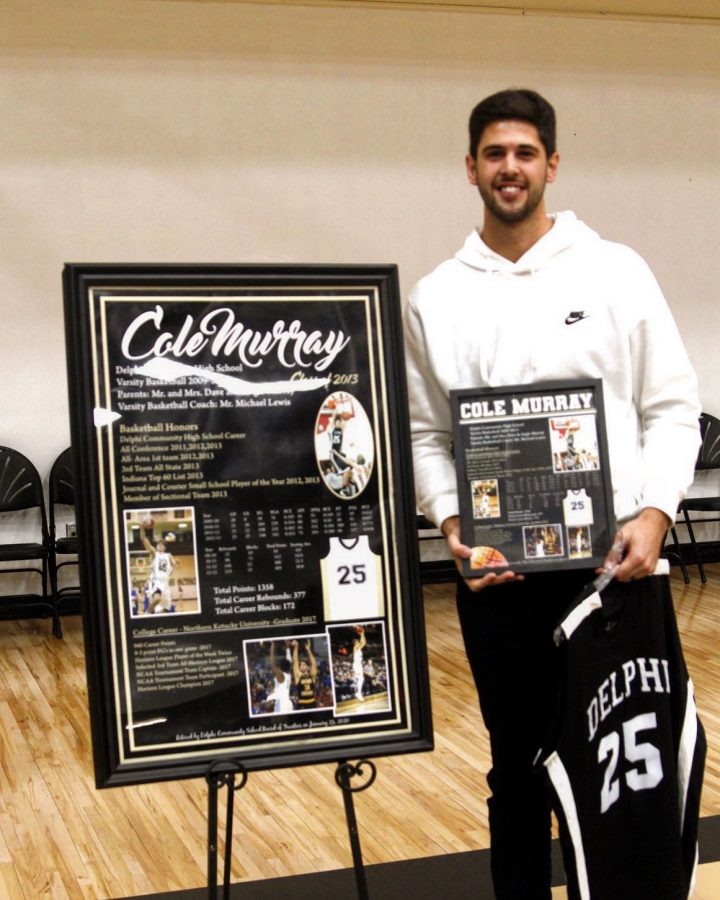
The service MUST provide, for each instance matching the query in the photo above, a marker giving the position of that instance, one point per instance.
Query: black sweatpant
(507, 630)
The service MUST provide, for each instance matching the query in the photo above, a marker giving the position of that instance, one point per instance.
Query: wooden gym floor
(61, 838)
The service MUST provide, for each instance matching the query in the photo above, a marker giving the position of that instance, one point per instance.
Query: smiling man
(510, 166)
(533, 297)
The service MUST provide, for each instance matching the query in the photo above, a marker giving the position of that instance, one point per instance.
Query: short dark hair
(514, 103)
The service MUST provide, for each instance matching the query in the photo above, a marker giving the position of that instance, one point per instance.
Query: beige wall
(168, 131)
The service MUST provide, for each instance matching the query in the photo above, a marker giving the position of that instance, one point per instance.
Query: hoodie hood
(567, 231)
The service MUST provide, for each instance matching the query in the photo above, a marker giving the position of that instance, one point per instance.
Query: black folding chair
(62, 495)
(708, 505)
(21, 492)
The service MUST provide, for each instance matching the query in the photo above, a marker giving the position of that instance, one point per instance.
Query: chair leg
(54, 599)
(678, 553)
(694, 545)
(57, 627)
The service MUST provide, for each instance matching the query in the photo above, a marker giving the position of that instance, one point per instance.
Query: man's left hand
(642, 539)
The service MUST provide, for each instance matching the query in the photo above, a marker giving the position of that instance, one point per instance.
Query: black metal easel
(224, 773)
(343, 774)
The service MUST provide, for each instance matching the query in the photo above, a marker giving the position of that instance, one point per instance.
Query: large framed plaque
(533, 476)
(246, 514)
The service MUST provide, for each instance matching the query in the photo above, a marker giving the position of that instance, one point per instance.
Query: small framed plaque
(533, 476)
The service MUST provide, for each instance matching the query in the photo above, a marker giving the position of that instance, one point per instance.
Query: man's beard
(511, 216)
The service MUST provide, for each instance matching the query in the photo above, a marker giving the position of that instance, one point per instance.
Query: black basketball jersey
(306, 691)
(627, 754)
(336, 442)
(336, 439)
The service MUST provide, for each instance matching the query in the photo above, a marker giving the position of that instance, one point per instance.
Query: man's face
(161, 546)
(511, 169)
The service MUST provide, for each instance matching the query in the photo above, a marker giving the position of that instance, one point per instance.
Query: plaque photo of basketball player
(288, 675)
(574, 443)
(359, 668)
(579, 542)
(485, 499)
(161, 562)
(543, 541)
(344, 445)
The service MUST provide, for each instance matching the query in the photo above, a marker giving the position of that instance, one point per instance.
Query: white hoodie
(481, 320)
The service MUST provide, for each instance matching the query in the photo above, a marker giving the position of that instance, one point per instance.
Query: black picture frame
(245, 506)
(533, 473)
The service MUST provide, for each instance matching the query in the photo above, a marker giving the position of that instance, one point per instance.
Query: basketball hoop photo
(574, 443)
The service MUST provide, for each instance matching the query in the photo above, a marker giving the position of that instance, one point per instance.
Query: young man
(358, 662)
(162, 565)
(282, 673)
(305, 672)
(532, 297)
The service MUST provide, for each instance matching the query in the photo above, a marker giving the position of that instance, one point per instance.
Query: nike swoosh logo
(576, 317)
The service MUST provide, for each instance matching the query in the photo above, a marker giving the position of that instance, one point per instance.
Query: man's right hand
(451, 529)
